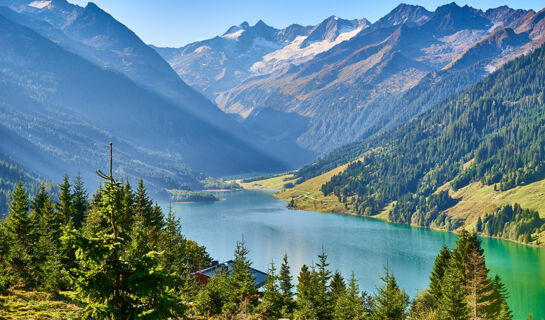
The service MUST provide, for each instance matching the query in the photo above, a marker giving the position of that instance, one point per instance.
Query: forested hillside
(491, 133)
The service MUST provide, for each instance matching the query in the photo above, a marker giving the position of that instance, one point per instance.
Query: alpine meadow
(158, 162)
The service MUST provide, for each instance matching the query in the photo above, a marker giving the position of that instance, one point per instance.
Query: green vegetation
(511, 222)
(126, 260)
(116, 254)
(190, 196)
(277, 181)
(491, 133)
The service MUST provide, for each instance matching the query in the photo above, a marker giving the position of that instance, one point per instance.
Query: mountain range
(344, 79)
(255, 99)
(72, 79)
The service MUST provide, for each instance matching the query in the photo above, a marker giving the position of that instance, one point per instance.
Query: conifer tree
(286, 288)
(466, 243)
(272, 297)
(37, 206)
(338, 287)
(79, 202)
(479, 287)
(438, 272)
(351, 303)
(115, 286)
(499, 307)
(211, 299)
(323, 293)
(242, 282)
(423, 307)
(128, 215)
(452, 304)
(390, 302)
(174, 259)
(19, 268)
(48, 257)
(65, 203)
(306, 305)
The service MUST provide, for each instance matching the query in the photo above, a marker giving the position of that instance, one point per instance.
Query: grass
(308, 195)
(276, 182)
(37, 305)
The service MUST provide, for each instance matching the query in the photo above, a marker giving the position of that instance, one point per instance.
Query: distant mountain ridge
(66, 108)
(350, 84)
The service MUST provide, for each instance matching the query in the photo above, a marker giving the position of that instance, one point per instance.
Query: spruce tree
(272, 297)
(390, 302)
(242, 282)
(323, 294)
(65, 203)
(19, 267)
(479, 287)
(351, 303)
(338, 287)
(37, 206)
(423, 307)
(452, 304)
(174, 259)
(306, 304)
(112, 285)
(128, 215)
(48, 248)
(79, 202)
(499, 307)
(466, 243)
(286, 288)
(438, 272)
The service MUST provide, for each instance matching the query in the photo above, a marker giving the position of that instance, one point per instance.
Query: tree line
(492, 133)
(125, 259)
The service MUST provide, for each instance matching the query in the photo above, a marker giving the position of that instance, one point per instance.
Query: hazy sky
(178, 22)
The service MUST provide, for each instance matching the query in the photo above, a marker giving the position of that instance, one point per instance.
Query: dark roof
(227, 267)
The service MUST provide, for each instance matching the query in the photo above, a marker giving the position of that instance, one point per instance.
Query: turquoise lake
(362, 245)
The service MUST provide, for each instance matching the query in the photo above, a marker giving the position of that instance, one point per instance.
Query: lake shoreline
(376, 217)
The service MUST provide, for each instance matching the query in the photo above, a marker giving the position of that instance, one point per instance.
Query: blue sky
(177, 22)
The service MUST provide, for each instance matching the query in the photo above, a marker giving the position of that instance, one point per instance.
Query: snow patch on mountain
(234, 35)
(294, 54)
(39, 4)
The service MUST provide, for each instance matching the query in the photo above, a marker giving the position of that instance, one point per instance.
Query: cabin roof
(227, 267)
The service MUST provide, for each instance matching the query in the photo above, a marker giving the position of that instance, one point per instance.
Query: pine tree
(65, 203)
(323, 294)
(466, 243)
(499, 307)
(423, 307)
(242, 282)
(174, 259)
(211, 299)
(115, 286)
(272, 297)
(306, 304)
(37, 206)
(390, 302)
(452, 304)
(479, 287)
(19, 267)
(286, 288)
(128, 215)
(338, 287)
(438, 272)
(79, 202)
(48, 256)
(351, 303)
